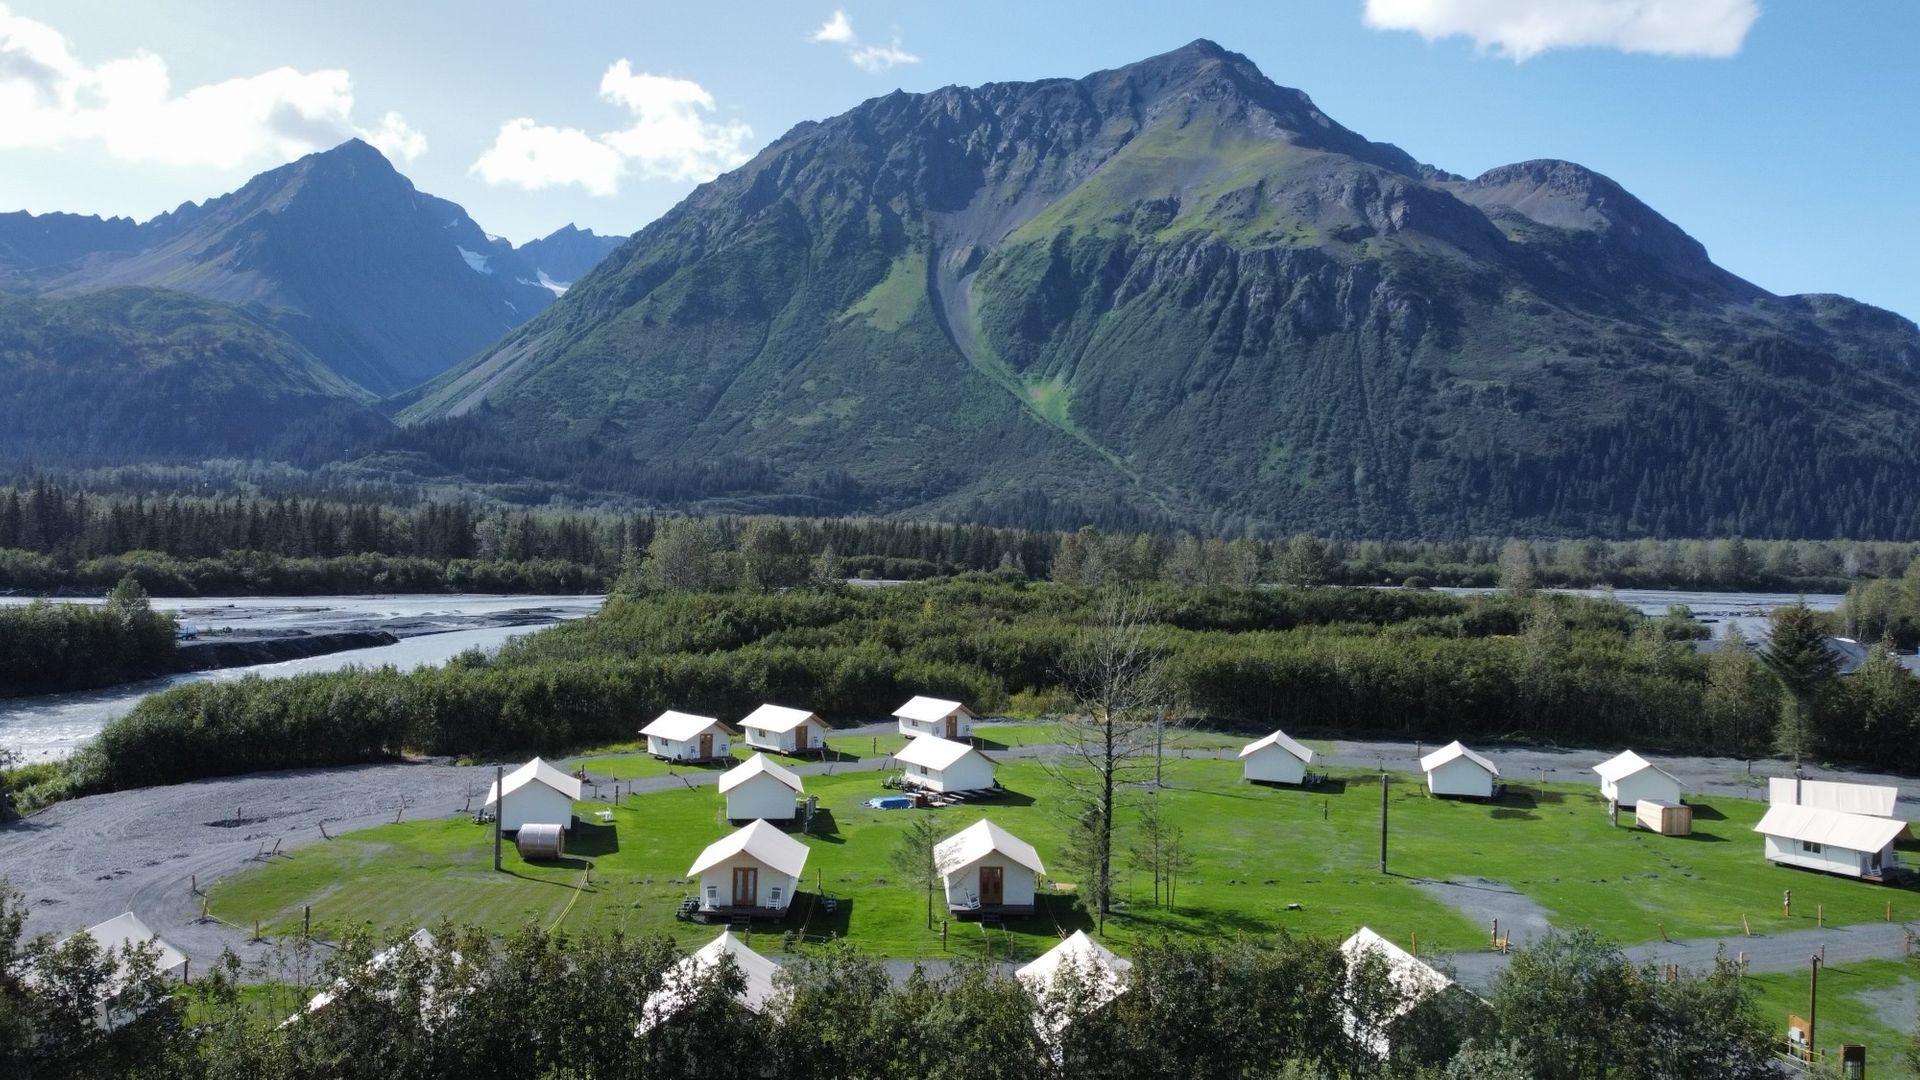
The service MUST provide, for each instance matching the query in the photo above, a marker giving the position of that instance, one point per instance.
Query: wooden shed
(1665, 818)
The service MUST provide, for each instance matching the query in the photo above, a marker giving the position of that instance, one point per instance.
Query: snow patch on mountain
(475, 261)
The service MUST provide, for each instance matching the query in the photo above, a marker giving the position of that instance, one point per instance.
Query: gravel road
(88, 860)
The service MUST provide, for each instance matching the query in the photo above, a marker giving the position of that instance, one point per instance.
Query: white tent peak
(777, 718)
(676, 726)
(537, 772)
(683, 978)
(977, 841)
(928, 709)
(760, 841)
(1281, 740)
(1625, 764)
(1455, 750)
(934, 752)
(759, 765)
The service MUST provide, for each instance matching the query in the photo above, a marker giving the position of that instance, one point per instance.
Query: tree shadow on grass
(1706, 812)
(1507, 813)
(816, 922)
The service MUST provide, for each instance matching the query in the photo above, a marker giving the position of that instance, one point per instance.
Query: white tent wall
(970, 773)
(1461, 776)
(1833, 860)
(762, 796)
(1017, 885)
(1273, 765)
(535, 803)
(689, 750)
(716, 884)
(1650, 784)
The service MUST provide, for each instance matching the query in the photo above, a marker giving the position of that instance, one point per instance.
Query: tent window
(713, 894)
(1810, 847)
(774, 894)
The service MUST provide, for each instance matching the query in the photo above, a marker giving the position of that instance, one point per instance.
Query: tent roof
(977, 841)
(1413, 977)
(122, 931)
(1454, 750)
(683, 978)
(421, 939)
(933, 752)
(1093, 960)
(758, 765)
(928, 709)
(1854, 832)
(1625, 764)
(1873, 800)
(537, 772)
(1279, 739)
(761, 842)
(680, 727)
(778, 718)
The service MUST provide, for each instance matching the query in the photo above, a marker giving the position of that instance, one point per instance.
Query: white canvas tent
(1276, 759)
(421, 940)
(1455, 770)
(117, 937)
(934, 716)
(537, 793)
(944, 765)
(1413, 980)
(1627, 778)
(1098, 977)
(683, 979)
(678, 736)
(754, 869)
(784, 730)
(988, 869)
(759, 787)
(1872, 800)
(1852, 845)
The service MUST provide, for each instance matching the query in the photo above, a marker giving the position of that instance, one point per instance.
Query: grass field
(1257, 850)
(1867, 1003)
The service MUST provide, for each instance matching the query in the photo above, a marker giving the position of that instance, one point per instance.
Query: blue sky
(1784, 134)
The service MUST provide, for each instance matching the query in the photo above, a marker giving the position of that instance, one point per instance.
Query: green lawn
(1850, 1008)
(1257, 850)
(637, 764)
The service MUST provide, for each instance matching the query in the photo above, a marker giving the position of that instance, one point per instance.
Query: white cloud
(671, 137)
(128, 105)
(1520, 29)
(838, 30)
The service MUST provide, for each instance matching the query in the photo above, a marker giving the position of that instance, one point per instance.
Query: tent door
(706, 745)
(800, 737)
(953, 727)
(746, 886)
(993, 886)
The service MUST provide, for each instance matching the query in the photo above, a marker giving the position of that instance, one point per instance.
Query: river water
(1718, 610)
(433, 630)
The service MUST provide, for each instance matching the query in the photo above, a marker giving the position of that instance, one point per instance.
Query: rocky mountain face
(387, 285)
(1182, 289)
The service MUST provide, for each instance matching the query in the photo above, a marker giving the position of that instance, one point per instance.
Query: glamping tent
(934, 716)
(1414, 983)
(1872, 800)
(1455, 770)
(682, 980)
(536, 793)
(752, 871)
(118, 936)
(1275, 759)
(988, 870)
(784, 730)
(760, 788)
(421, 940)
(1102, 975)
(944, 765)
(678, 736)
(1853, 845)
(1627, 778)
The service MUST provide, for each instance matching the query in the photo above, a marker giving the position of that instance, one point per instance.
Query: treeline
(556, 1006)
(47, 647)
(55, 535)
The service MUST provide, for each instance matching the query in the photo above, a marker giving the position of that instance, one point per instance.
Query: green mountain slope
(133, 374)
(1183, 289)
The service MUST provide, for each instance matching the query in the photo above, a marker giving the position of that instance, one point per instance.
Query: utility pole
(1159, 743)
(1813, 1003)
(1383, 821)
(499, 804)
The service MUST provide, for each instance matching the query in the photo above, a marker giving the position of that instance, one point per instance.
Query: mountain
(566, 255)
(137, 374)
(388, 285)
(1183, 290)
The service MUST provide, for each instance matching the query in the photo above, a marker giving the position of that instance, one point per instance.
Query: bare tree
(1119, 690)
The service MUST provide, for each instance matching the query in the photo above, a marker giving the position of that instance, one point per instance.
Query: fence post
(1745, 925)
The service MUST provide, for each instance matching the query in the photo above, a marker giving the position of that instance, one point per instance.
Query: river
(433, 629)
(1718, 610)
